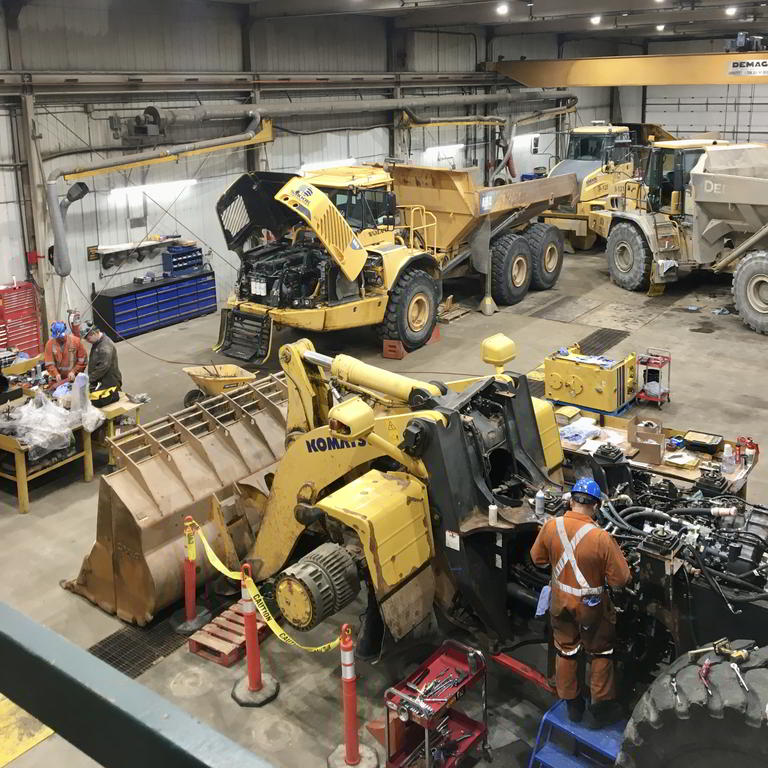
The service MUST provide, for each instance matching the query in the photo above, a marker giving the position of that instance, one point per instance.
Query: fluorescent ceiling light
(596, 20)
(731, 10)
(660, 27)
(502, 9)
(163, 192)
(319, 166)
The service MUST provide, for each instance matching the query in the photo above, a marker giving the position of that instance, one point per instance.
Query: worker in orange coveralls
(584, 559)
(65, 355)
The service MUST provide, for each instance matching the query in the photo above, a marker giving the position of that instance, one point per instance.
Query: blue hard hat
(58, 329)
(587, 486)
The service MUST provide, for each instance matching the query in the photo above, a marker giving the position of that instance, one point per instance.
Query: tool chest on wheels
(423, 727)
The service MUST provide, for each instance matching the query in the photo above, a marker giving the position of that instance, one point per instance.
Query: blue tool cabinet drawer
(134, 309)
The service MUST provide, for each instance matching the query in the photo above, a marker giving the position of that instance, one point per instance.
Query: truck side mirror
(391, 204)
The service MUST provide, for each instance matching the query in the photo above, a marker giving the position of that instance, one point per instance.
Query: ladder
(576, 746)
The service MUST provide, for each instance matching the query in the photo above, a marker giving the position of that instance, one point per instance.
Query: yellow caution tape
(259, 601)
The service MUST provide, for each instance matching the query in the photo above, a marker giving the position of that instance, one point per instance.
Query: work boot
(575, 709)
(605, 713)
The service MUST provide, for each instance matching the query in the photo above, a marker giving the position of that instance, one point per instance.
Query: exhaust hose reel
(317, 586)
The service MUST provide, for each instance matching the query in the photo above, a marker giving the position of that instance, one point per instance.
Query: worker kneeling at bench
(584, 559)
(104, 377)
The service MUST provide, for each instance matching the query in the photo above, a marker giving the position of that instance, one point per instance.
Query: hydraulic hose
(613, 516)
(649, 513)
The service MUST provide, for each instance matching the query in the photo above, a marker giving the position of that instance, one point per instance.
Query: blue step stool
(591, 749)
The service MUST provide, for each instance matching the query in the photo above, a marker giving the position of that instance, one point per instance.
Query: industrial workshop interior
(383, 383)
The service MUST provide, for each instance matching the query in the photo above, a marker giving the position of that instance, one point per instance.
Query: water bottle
(493, 514)
(539, 503)
(729, 462)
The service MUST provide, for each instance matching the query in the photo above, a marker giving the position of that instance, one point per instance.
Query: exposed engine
(298, 276)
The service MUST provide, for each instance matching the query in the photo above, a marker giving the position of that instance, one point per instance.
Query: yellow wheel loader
(367, 246)
(371, 464)
(603, 157)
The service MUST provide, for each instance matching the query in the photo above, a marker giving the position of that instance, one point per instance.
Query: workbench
(108, 430)
(24, 473)
(614, 430)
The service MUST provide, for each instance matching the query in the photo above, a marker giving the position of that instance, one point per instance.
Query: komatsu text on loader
(368, 246)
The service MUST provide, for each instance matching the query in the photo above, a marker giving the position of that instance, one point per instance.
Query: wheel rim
(623, 257)
(757, 293)
(519, 271)
(418, 312)
(551, 257)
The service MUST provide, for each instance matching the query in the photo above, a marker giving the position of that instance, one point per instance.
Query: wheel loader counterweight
(367, 246)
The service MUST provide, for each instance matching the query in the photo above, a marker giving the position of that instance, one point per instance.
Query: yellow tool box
(589, 381)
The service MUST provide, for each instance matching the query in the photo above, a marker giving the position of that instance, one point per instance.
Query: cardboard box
(649, 441)
(566, 414)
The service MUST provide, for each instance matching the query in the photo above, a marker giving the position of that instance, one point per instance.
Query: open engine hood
(249, 206)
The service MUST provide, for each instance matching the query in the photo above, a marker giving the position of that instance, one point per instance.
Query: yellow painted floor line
(19, 731)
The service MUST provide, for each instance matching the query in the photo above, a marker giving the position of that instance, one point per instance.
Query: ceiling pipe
(57, 211)
(155, 115)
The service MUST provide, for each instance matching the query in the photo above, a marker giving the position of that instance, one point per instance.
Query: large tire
(548, 248)
(629, 257)
(727, 729)
(750, 290)
(511, 268)
(412, 310)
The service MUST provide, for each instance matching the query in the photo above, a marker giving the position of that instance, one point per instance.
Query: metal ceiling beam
(107, 83)
(678, 69)
(111, 718)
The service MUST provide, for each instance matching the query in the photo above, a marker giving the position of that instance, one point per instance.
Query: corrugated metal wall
(181, 35)
(735, 112)
(12, 245)
(356, 44)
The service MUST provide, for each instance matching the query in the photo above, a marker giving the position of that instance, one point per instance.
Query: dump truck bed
(458, 205)
(730, 197)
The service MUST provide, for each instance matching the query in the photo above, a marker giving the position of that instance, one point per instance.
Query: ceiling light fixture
(502, 9)
(731, 10)
(660, 27)
(595, 20)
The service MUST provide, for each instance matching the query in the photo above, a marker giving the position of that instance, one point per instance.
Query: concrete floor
(718, 385)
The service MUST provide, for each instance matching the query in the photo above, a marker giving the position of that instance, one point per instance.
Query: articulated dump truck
(370, 246)
(701, 205)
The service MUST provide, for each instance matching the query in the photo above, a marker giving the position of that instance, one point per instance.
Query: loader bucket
(182, 464)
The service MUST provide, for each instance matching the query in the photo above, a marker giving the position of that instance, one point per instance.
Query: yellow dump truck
(602, 156)
(369, 246)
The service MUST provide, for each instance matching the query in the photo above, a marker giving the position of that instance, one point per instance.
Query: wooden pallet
(453, 313)
(223, 639)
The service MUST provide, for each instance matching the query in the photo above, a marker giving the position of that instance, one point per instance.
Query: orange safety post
(256, 688)
(351, 752)
(192, 617)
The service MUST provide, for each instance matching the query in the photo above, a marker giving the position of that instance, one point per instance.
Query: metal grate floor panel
(133, 650)
(601, 340)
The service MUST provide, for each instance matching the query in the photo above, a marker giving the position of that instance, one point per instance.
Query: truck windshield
(615, 147)
(586, 147)
(363, 209)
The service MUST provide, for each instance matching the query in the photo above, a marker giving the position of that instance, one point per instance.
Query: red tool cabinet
(417, 726)
(20, 318)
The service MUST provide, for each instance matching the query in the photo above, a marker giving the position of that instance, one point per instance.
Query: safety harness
(569, 556)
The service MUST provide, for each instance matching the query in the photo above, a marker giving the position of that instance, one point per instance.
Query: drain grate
(132, 650)
(601, 340)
